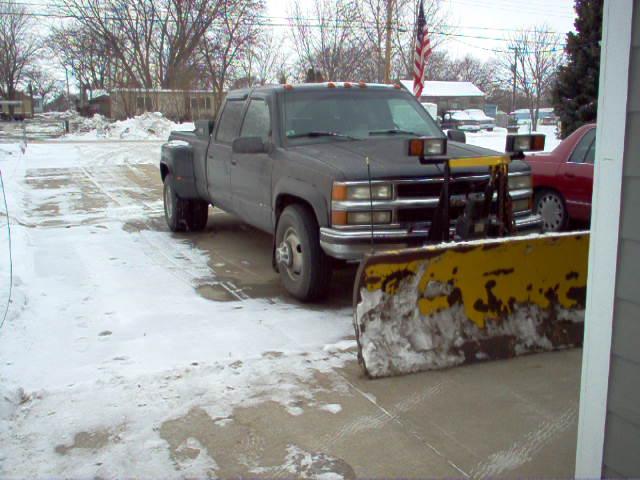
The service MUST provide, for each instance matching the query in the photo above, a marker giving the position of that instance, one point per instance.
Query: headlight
(519, 182)
(364, 218)
(343, 192)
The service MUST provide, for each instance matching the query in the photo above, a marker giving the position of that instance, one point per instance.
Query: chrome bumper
(352, 244)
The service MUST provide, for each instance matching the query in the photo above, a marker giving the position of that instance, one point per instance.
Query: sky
(494, 19)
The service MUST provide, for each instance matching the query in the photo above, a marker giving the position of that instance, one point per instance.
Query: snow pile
(148, 126)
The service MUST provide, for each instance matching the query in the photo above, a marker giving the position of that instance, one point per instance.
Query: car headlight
(519, 182)
(342, 191)
(364, 218)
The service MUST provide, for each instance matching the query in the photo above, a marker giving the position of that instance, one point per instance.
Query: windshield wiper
(394, 131)
(321, 134)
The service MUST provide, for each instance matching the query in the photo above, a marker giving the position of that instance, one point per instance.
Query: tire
(175, 208)
(197, 215)
(183, 215)
(551, 207)
(304, 268)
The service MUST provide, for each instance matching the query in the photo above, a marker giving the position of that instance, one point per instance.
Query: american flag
(423, 50)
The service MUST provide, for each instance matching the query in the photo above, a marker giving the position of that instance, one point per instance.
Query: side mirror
(204, 128)
(456, 136)
(248, 145)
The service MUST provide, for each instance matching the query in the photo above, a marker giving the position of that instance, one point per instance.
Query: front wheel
(304, 268)
(550, 206)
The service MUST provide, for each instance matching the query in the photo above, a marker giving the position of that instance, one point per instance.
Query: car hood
(388, 158)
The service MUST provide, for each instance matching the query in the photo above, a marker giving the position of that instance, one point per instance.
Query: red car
(563, 180)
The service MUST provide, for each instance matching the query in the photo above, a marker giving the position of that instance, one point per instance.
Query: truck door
(577, 177)
(251, 173)
(219, 154)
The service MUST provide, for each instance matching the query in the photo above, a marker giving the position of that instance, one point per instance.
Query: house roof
(446, 89)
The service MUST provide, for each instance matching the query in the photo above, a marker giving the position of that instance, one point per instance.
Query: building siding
(622, 431)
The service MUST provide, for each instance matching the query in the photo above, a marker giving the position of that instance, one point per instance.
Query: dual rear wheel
(183, 214)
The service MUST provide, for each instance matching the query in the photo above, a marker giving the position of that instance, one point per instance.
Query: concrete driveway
(514, 418)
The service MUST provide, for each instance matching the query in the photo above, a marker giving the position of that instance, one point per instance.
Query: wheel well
(285, 199)
(164, 170)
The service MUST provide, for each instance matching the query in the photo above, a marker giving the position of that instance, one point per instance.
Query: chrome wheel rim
(167, 201)
(551, 210)
(289, 254)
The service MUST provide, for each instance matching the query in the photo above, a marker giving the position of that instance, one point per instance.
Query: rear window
(230, 121)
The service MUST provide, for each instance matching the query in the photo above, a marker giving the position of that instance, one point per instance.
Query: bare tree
(225, 48)
(326, 40)
(153, 41)
(537, 57)
(43, 83)
(18, 47)
(265, 61)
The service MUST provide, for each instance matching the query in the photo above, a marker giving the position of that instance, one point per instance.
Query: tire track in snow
(524, 450)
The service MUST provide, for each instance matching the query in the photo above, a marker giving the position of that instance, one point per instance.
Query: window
(194, 103)
(201, 103)
(358, 113)
(230, 121)
(208, 103)
(581, 152)
(257, 121)
(148, 105)
(140, 103)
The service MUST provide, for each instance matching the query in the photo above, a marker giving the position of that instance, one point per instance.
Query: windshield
(325, 115)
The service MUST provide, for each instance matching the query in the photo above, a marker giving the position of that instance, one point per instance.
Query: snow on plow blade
(443, 305)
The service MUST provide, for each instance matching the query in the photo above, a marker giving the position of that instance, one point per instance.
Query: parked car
(290, 160)
(459, 120)
(547, 116)
(563, 180)
(484, 121)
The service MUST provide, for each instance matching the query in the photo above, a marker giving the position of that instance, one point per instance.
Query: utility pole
(387, 47)
(515, 77)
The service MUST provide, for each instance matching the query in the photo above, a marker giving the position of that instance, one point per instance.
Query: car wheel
(550, 206)
(198, 214)
(304, 268)
(175, 208)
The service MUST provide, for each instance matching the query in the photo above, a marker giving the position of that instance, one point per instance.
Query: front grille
(426, 190)
(416, 215)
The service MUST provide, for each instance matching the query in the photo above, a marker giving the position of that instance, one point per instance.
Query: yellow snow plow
(475, 292)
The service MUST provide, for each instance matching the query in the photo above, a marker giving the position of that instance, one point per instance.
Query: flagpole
(387, 51)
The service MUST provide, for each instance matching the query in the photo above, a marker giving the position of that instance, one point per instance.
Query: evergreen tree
(575, 93)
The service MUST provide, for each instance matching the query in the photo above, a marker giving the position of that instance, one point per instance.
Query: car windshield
(339, 114)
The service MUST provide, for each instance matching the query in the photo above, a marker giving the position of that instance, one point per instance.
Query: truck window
(230, 121)
(257, 121)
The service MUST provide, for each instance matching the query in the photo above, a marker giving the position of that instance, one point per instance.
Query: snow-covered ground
(148, 126)
(496, 140)
(106, 332)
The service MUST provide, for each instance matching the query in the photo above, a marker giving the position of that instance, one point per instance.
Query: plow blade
(443, 305)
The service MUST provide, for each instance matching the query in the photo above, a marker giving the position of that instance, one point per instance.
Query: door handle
(234, 162)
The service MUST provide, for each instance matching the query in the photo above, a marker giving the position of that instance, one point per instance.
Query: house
(449, 95)
(178, 105)
(18, 108)
(609, 420)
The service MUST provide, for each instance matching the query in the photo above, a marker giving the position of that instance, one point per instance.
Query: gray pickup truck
(324, 168)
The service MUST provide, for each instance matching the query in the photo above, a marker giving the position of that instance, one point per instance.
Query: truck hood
(388, 158)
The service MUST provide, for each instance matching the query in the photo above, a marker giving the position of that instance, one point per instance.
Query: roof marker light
(362, 85)
(331, 85)
(347, 84)
(288, 86)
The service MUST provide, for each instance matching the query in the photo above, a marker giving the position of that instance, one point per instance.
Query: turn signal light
(338, 218)
(339, 192)
(427, 147)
